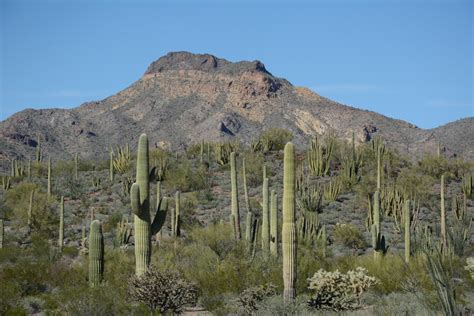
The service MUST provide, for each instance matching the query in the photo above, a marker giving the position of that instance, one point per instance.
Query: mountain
(183, 98)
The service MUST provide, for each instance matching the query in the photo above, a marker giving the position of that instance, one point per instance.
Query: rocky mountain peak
(203, 62)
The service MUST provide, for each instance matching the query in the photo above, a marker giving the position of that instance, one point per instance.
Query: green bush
(275, 139)
(350, 236)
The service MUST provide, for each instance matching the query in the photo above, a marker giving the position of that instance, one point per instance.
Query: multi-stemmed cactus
(96, 254)
(288, 236)
(61, 224)
(319, 156)
(144, 228)
(273, 223)
(235, 216)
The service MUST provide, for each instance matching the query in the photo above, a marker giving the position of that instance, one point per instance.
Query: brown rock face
(183, 98)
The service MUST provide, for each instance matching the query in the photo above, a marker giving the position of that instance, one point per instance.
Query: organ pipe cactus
(144, 228)
(265, 217)
(273, 224)
(39, 153)
(96, 254)
(288, 236)
(235, 196)
(406, 219)
(61, 224)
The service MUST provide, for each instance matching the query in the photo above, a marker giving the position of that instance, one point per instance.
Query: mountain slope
(183, 98)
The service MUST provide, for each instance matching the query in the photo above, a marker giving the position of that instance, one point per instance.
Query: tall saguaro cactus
(235, 196)
(249, 220)
(444, 239)
(61, 224)
(288, 236)
(2, 230)
(273, 224)
(96, 254)
(406, 218)
(378, 240)
(140, 199)
(265, 217)
(49, 177)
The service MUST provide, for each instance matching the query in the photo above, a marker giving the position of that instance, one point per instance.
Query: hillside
(183, 98)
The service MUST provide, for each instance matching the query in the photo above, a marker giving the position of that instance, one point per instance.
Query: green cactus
(467, 186)
(406, 222)
(322, 240)
(444, 237)
(222, 152)
(249, 220)
(235, 196)
(333, 189)
(177, 214)
(265, 217)
(122, 234)
(288, 236)
(96, 254)
(76, 167)
(49, 177)
(61, 224)
(378, 240)
(2, 232)
(39, 154)
(111, 165)
(6, 184)
(30, 209)
(273, 224)
(144, 228)
(319, 156)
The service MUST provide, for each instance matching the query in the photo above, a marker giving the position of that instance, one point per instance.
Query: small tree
(162, 291)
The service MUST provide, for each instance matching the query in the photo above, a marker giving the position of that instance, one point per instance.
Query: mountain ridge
(184, 98)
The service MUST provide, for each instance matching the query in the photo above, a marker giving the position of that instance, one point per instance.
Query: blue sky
(411, 60)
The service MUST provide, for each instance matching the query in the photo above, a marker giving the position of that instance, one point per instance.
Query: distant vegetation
(231, 228)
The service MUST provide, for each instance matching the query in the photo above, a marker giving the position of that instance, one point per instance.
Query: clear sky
(411, 60)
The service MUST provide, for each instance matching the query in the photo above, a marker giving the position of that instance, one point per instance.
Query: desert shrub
(350, 236)
(275, 139)
(218, 237)
(254, 168)
(184, 178)
(249, 298)
(338, 291)
(435, 166)
(44, 210)
(162, 291)
(400, 304)
(275, 305)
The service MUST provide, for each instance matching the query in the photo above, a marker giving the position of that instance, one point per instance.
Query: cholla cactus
(337, 291)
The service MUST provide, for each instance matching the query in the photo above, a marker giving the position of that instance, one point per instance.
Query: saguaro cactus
(406, 218)
(96, 254)
(249, 220)
(76, 167)
(111, 165)
(235, 196)
(288, 236)
(177, 214)
(273, 223)
(2, 230)
(140, 200)
(265, 217)
(444, 239)
(378, 240)
(49, 177)
(61, 224)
